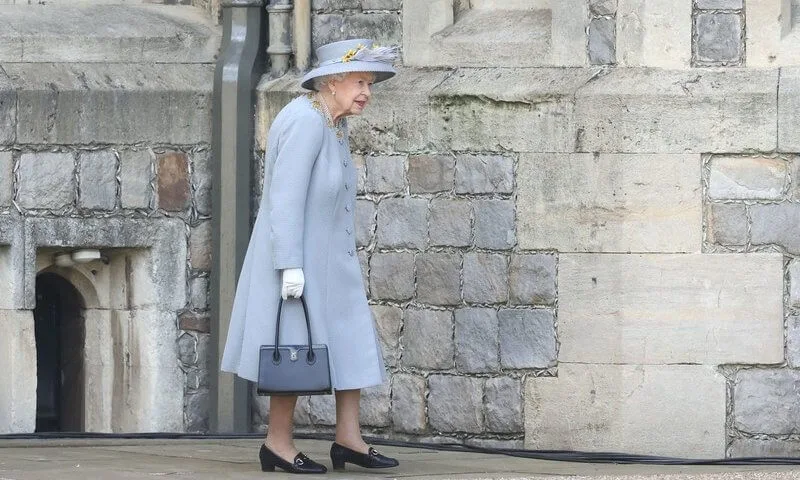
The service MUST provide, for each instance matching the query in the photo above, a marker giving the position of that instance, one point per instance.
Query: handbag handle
(276, 356)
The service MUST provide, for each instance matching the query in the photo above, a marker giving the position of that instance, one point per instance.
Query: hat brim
(382, 71)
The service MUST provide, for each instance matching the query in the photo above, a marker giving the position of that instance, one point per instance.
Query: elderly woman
(303, 243)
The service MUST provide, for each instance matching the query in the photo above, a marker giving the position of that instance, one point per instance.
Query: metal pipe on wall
(302, 34)
(280, 36)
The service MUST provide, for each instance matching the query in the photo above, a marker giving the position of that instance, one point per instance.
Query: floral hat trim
(361, 53)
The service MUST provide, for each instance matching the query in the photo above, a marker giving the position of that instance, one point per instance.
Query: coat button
(347, 186)
(351, 253)
(345, 163)
(347, 208)
(349, 232)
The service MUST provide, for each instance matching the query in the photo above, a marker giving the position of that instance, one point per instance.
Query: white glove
(293, 282)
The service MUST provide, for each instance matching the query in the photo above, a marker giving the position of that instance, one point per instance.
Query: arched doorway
(60, 338)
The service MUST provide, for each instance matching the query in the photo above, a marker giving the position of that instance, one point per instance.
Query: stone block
(654, 33)
(195, 322)
(772, 36)
(391, 276)
(495, 224)
(527, 338)
(677, 111)
(748, 178)
(329, 5)
(8, 110)
(376, 406)
(382, 4)
(383, 28)
(794, 283)
(776, 224)
(669, 410)
(769, 447)
(173, 189)
(793, 341)
(202, 181)
(389, 322)
(767, 402)
(719, 4)
(485, 278)
(503, 405)
(455, 404)
(402, 223)
(450, 222)
(200, 246)
(719, 38)
(609, 203)
(727, 224)
(603, 7)
(532, 279)
(602, 41)
(136, 172)
(18, 375)
(187, 349)
(197, 410)
(199, 293)
(98, 180)
(361, 172)
(364, 222)
(386, 174)
(142, 103)
(322, 409)
(439, 278)
(408, 403)
(484, 174)
(428, 339)
(476, 339)
(6, 178)
(46, 180)
(652, 309)
(431, 173)
(788, 108)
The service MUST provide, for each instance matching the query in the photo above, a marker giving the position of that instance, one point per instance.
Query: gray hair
(319, 82)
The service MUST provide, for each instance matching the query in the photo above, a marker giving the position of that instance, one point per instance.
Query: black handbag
(293, 369)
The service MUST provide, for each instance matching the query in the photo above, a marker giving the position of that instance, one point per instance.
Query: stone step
(106, 32)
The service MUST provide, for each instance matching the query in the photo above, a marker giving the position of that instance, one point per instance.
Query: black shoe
(373, 459)
(302, 464)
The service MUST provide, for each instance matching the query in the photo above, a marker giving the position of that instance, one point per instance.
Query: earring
(333, 93)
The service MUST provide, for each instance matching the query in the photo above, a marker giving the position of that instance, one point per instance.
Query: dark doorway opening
(60, 336)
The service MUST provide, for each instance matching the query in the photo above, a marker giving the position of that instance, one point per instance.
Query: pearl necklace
(320, 104)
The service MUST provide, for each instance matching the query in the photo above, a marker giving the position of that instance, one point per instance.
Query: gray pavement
(237, 459)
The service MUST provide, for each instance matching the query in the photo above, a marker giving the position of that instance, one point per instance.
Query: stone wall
(334, 20)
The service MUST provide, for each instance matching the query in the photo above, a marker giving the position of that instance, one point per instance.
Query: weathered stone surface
(6, 178)
(389, 321)
(386, 174)
(382, 4)
(439, 278)
(202, 181)
(187, 349)
(637, 309)
(767, 401)
(788, 107)
(136, 173)
(335, 4)
(46, 180)
(322, 409)
(455, 404)
(139, 103)
(197, 411)
(603, 7)
(643, 409)
(450, 222)
(485, 278)
(383, 28)
(794, 283)
(610, 203)
(8, 110)
(361, 172)
(727, 224)
(776, 224)
(753, 447)
(18, 377)
(376, 406)
(196, 322)
(672, 111)
(771, 39)
(602, 41)
(392, 276)
(748, 178)
(495, 443)
(428, 339)
(363, 262)
(199, 293)
(718, 4)
(402, 223)
(655, 33)
(484, 174)
(365, 222)
(503, 399)
(527, 338)
(98, 182)
(719, 37)
(431, 173)
(408, 403)
(476, 338)
(793, 341)
(200, 246)
(494, 224)
(532, 279)
(173, 189)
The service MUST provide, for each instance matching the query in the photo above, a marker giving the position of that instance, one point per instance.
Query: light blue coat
(306, 220)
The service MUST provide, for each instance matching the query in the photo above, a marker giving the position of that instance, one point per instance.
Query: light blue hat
(356, 55)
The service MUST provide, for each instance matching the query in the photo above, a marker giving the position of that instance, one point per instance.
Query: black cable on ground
(551, 455)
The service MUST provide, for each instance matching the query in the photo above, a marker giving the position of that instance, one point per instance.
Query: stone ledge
(60, 103)
(135, 33)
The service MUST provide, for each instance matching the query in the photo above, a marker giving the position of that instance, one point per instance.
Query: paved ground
(237, 459)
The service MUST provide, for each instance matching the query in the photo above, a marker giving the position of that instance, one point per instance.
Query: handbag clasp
(292, 354)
